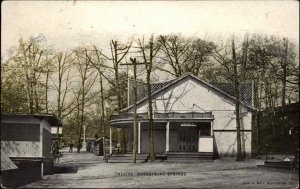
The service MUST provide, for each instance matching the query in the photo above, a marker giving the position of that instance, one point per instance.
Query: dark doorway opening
(189, 136)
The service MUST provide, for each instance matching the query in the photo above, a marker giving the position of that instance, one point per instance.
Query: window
(20, 132)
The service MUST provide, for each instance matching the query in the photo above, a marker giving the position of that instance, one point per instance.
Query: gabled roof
(245, 90)
(225, 89)
(142, 90)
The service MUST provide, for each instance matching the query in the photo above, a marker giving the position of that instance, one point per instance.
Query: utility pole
(135, 134)
(102, 120)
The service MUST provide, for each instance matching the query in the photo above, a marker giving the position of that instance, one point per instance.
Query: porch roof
(127, 117)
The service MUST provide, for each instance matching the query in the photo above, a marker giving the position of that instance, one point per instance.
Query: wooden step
(124, 161)
(190, 154)
(188, 160)
(180, 156)
(127, 158)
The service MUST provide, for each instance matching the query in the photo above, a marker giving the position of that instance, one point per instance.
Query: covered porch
(173, 132)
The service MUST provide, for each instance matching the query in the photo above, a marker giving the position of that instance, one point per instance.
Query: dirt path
(225, 173)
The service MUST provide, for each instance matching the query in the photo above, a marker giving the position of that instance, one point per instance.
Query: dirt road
(226, 173)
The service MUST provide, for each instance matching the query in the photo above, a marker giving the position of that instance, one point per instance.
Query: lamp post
(84, 143)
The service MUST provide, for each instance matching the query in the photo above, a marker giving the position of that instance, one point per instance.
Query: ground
(93, 172)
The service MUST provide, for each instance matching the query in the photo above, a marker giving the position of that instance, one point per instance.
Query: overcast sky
(66, 24)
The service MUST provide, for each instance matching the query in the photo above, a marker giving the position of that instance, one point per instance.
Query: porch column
(129, 140)
(42, 169)
(211, 128)
(139, 137)
(110, 140)
(167, 136)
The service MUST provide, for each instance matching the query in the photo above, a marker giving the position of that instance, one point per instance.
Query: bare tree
(174, 49)
(284, 66)
(87, 80)
(61, 81)
(98, 64)
(237, 104)
(184, 55)
(118, 53)
(233, 74)
(149, 52)
(199, 55)
(30, 61)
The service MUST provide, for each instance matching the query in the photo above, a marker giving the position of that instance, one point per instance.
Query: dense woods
(83, 87)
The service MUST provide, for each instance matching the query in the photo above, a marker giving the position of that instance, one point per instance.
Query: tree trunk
(237, 105)
(149, 69)
(134, 151)
(243, 79)
(151, 144)
(46, 95)
(284, 67)
(59, 92)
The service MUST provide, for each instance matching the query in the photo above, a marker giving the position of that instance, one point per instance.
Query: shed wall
(47, 142)
(21, 148)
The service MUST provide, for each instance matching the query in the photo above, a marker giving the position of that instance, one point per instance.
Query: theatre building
(191, 118)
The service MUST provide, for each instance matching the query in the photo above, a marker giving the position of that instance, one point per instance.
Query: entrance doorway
(188, 136)
(188, 139)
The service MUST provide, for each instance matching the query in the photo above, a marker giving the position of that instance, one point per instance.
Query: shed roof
(6, 163)
(50, 118)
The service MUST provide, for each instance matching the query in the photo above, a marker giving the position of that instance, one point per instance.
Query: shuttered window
(20, 132)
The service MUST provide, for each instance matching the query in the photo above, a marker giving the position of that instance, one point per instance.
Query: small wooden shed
(26, 140)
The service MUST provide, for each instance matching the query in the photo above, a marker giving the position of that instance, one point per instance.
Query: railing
(173, 115)
(129, 116)
(187, 115)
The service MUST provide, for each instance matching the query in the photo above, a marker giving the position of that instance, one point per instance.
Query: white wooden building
(191, 116)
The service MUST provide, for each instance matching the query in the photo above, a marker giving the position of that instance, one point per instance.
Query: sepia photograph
(149, 94)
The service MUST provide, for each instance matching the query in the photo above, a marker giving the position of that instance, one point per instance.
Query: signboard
(188, 125)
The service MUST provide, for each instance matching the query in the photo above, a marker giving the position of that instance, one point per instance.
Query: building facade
(191, 116)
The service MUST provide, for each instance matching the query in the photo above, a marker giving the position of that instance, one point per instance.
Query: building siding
(21, 148)
(181, 97)
(25, 137)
